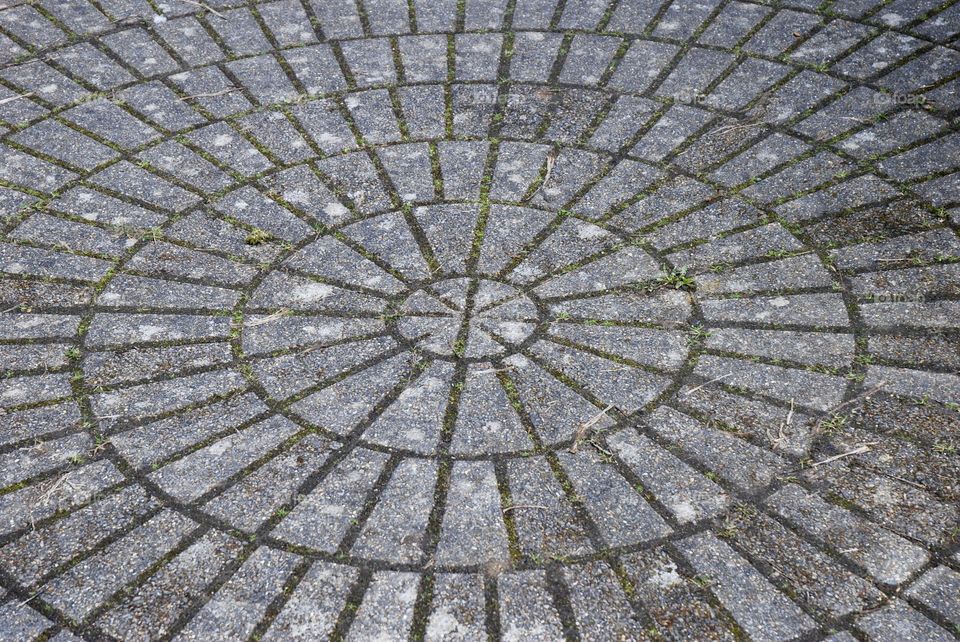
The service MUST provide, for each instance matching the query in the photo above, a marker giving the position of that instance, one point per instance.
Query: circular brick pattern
(468, 317)
(521, 319)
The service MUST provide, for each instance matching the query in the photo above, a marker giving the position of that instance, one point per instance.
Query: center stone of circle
(468, 317)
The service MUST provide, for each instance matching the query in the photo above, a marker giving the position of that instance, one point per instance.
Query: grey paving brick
(387, 609)
(235, 609)
(758, 607)
(317, 600)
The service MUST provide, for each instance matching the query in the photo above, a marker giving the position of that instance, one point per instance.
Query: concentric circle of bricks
(490, 319)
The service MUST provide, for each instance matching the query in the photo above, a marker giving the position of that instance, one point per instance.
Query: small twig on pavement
(205, 7)
(212, 94)
(704, 385)
(551, 161)
(856, 451)
(516, 506)
(279, 314)
(586, 426)
(10, 99)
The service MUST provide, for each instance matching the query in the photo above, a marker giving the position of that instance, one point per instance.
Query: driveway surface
(479, 320)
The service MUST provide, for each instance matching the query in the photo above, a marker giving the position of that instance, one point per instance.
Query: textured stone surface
(491, 319)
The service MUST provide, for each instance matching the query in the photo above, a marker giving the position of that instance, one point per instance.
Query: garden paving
(479, 320)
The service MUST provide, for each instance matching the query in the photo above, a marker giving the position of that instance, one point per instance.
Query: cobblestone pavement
(479, 319)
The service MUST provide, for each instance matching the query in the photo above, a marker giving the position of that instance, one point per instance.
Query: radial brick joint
(479, 320)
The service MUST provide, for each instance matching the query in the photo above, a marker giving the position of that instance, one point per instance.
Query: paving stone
(670, 131)
(44, 82)
(91, 582)
(939, 26)
(424, 58)
(109, 121)
(354, 279)
(343, 405)
(288, 23)
(797, 96)
(937, 590)
(21, 622)
(355, 175)
(398, 523)
(386, 611)
(621, 386)
(477, 56)
(927, 69)
(157, 103)
(316, 601)
(866, 61)
(534, 53)
(694, 73)
(435, 15)
(264, 78)
(888, 558)
(23, 260)
(276, 133)
(154, 606)
(240, 32)
(87, 62)
(194, 475)
(30, 172)
(190, 40)
(641, 65)
(138, 50)
(899, 130)
(802, 570)
(370, 61)
(321, 520)
(484, 15)
(600, 604)
(525, 112)
(423, 109)
(373, 114)
(316, 68)
(18, 109)
(41, 457)
(619, 511)
(462, 165)
(854, 193)
(756, 606)
(675, 603)
(302, 188)
(546, 521)
(738, 247)
(337, 19)
(486, 422)
(689, 496)
(36, 553)
(274, 484)
(669, 199)
(162, 396)
(457, 611)
(23, 507)
(915, 513)
(230, 149)
(235, 609)
(527, 609)
(212, 90)
(587, 59)
(732, 24)
(129, 180)
(734, 460)
(898, 621)
(473, 107)
(473, 531)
